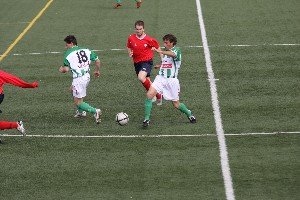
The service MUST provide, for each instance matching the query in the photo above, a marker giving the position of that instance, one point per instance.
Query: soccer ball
(122, 118)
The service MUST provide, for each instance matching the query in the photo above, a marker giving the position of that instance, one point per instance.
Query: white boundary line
(190, 46)
(147, 136)
(216, 109)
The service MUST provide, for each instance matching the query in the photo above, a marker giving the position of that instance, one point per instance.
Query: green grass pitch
(255, 48)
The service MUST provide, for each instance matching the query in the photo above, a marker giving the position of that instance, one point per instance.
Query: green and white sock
(148, 108)
(86, 107)
(184, 109)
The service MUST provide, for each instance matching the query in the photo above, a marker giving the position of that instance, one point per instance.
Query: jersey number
(82, 57)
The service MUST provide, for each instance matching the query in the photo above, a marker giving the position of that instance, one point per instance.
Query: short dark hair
(139, 23)
(170, 38)
(71, 39)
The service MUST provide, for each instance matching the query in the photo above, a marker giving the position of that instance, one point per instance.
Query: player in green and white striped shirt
(78, 61)
(166, 82)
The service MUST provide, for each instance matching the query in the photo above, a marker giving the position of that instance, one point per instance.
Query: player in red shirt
(140, 47)
(14, 80)
(6, 78)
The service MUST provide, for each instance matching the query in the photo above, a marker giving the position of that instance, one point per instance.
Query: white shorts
(79, 85)
(168, 87)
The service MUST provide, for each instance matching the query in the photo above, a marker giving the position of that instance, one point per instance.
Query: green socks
(184, 109)
(86, 107)
(148, 108)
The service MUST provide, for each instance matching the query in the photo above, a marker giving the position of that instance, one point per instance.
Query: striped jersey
(170, 65)
(79, 60)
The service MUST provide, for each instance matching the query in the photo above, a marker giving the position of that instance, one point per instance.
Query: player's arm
(128, 45)
(97, 68)
(96, 59)
(64, 69)
(167, 53)
(130, 52)
(155, 46)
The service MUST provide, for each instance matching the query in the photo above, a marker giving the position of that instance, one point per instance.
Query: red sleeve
(14, 80)
(154, 43)
(128, 43)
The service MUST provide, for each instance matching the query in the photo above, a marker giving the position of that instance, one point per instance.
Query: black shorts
(145, 66)
(1, 97)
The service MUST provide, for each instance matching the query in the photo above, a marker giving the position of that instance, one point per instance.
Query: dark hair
(170, 38)
(71, 39)
(139, 23)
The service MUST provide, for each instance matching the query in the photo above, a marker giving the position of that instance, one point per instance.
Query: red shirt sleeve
(128, 45)
(154, 43)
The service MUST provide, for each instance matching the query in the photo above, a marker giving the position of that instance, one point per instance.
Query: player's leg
(182, 107)
(1, 99)
(81, 105)
(148, 105)
(79, 92)
(13, 125)
(8, 125)
(143, 70)
(118, 4)
(173, 94)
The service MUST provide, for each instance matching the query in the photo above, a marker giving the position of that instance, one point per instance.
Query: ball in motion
(122, 118)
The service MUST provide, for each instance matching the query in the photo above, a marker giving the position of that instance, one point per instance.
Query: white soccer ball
(122, 118)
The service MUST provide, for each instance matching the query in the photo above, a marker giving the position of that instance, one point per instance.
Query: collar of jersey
(139, 37)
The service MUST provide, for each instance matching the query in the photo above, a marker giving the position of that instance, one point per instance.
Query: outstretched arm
(14, 80)
(168, 53)
(97, 68)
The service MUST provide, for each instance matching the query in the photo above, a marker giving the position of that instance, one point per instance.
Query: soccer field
(239, 75)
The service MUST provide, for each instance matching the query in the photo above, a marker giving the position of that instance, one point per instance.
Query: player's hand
(62, 69)
(97, 74)
(35, 84)
(157, 50)
(130, 53)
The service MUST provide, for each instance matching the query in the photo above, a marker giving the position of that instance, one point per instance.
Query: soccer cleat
(192, 119)
(0, 141)
(117, 5)
(21, 128)
(146, 123)
(97, 116)
(138, 4)
(80, 114)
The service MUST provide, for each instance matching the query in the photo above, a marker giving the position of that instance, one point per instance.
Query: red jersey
(14, 80)
(141, 47)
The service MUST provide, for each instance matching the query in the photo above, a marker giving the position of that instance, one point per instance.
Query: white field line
(13, 23)
(148, 136)
(216, 109)
(189, 46)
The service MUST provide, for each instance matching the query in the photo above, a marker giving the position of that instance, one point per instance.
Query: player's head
(70, 41)
(139, 27)
(169, 41)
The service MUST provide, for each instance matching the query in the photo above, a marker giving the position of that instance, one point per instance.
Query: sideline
(146, 136)
(25, 31)
(216, 109)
